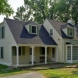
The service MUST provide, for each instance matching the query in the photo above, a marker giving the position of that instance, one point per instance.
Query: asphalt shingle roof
(59, 26)
(22, 36)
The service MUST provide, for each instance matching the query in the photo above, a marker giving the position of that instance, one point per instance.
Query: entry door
(53, 55)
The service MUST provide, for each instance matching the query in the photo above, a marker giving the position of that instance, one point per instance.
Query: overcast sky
(14, 4)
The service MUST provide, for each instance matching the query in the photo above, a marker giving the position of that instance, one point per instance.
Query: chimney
(71, 21)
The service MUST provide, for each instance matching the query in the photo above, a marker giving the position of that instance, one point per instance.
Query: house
(29, 43)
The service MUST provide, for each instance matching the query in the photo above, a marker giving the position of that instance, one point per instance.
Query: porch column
(17, 50)
(45, 54)
(32, 55)
(71, 53)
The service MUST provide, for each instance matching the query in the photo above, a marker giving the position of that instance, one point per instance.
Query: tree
(22, 14)
(66, 9)
(38, 9)
(41, 9)
(5, 8)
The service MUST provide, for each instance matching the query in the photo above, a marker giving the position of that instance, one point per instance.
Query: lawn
(50, 73)
(61, 73)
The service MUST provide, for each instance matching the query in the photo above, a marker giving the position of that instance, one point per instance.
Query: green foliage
(50, 73)
(22, 14)
(61, 10)
(66, 9)
(41, 9)
(5, 8)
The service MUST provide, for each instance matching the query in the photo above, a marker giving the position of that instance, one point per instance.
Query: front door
(53, 55)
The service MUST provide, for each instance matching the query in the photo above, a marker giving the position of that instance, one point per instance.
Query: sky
(14, 4)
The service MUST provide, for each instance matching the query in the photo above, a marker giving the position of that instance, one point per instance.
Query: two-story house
(29, 43)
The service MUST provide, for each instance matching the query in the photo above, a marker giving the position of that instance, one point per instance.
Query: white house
(28, 43)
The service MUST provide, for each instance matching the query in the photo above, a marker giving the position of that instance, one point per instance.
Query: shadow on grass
(75, 72)
(7, 71)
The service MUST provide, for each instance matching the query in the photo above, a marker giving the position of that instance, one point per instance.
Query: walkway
(27, 75)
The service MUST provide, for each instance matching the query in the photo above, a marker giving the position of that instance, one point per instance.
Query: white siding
(27, 27)
(7, 42)
(57, 38)
(65, 30)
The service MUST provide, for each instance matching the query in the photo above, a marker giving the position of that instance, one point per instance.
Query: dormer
(32, 28)
(68, 30)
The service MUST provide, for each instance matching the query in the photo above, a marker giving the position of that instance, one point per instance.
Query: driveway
(27, 75)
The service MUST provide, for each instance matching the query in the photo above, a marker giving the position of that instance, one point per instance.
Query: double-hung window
(33, 29)
(70, 32)
(2, 32)
(51, 31)
(1, 52)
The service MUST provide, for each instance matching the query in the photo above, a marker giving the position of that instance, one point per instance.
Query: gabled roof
(22, 36)
(58, 26)
(67, 25)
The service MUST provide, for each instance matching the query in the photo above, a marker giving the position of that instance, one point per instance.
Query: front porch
(33, 55)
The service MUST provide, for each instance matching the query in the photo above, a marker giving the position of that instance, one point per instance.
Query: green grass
(10, 72)
(61, 73)
(51, 73)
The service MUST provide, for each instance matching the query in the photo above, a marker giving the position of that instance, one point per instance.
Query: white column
(17, 49)
(71, 53)
(45, 55)
(32, 55)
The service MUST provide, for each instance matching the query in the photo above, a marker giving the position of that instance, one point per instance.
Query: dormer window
(34, 29)
(51, 31)
(70, 32)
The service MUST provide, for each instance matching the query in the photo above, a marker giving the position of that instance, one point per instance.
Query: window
(75, 53)
(14, 51)
(53, 52)
(30, 51)
(33, 29)
(2, 32)
(42, 50)
(69, 53)
(70, 32)
(21, 51)
(1, 52)
(51, 31)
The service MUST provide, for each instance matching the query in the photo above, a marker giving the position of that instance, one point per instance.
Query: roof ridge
(57, 21)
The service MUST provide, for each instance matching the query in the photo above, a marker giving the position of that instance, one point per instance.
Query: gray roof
(22, 36)
(59, 26)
